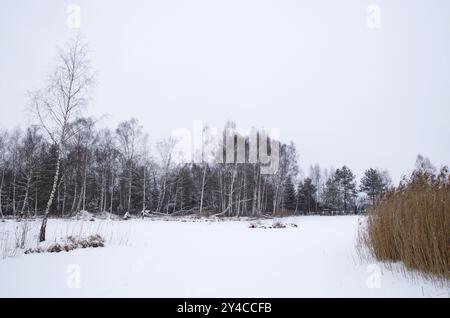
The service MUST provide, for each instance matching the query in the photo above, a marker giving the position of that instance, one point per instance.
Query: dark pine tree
(306, 196)
(347, 187)
(187, 190)
(289, 195)
(372, 184)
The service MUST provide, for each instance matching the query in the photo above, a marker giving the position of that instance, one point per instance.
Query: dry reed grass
(411, 224)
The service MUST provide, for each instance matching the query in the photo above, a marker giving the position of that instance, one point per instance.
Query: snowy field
(160, 258)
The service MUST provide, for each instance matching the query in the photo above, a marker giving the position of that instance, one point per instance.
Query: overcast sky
(344, 92)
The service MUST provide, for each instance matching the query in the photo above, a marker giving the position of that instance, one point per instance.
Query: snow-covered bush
(126, 216)
(84, 216)
(68, 244)
(274, 225)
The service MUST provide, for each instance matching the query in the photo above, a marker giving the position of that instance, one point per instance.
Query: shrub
(279, 225)
(70, 244)
(411, 224)
(275, 225)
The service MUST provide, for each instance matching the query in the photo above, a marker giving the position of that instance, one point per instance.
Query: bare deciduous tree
(56, 106)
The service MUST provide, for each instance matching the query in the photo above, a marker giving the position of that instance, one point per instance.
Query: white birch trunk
(203, 189)
(50, 200)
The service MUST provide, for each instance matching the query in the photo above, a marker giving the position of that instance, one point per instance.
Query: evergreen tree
(372, 183)
(289, 196)
(187, 185)
(331, 194)
(306, 196)
(347, 187)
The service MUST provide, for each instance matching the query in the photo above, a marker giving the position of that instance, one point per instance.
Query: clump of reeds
(411, 224)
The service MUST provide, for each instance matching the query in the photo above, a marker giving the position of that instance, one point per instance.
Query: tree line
(63, 164)
(105, 170)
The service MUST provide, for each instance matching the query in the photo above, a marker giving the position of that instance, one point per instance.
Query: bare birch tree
(65, 97)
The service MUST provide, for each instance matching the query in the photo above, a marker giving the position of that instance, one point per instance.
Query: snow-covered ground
(158, 258)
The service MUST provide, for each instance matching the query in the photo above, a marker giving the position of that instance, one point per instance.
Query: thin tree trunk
(129, 191)
(203, 189)
(121, 186)
(74, 196)
(175, 199)
(105, 191)
(255, 189)
(57, 197)
(36, 202)
(230, 197)
(143, 195)
(64, 197)
(14, 193)
(102, 193)
(80, 197)
(222, 191)
(26, 192)
(163, 193)
(258, 207)
(275, 199)
(112, 192)
(1, 191)
(84, 182)
(317, 195)
(50, 199)
(345, 201)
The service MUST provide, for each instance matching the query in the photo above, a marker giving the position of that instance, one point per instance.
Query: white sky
(344, 93)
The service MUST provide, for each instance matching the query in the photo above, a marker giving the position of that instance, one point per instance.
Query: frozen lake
(158, 258)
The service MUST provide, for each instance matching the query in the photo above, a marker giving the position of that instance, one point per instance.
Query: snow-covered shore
(158, 258)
